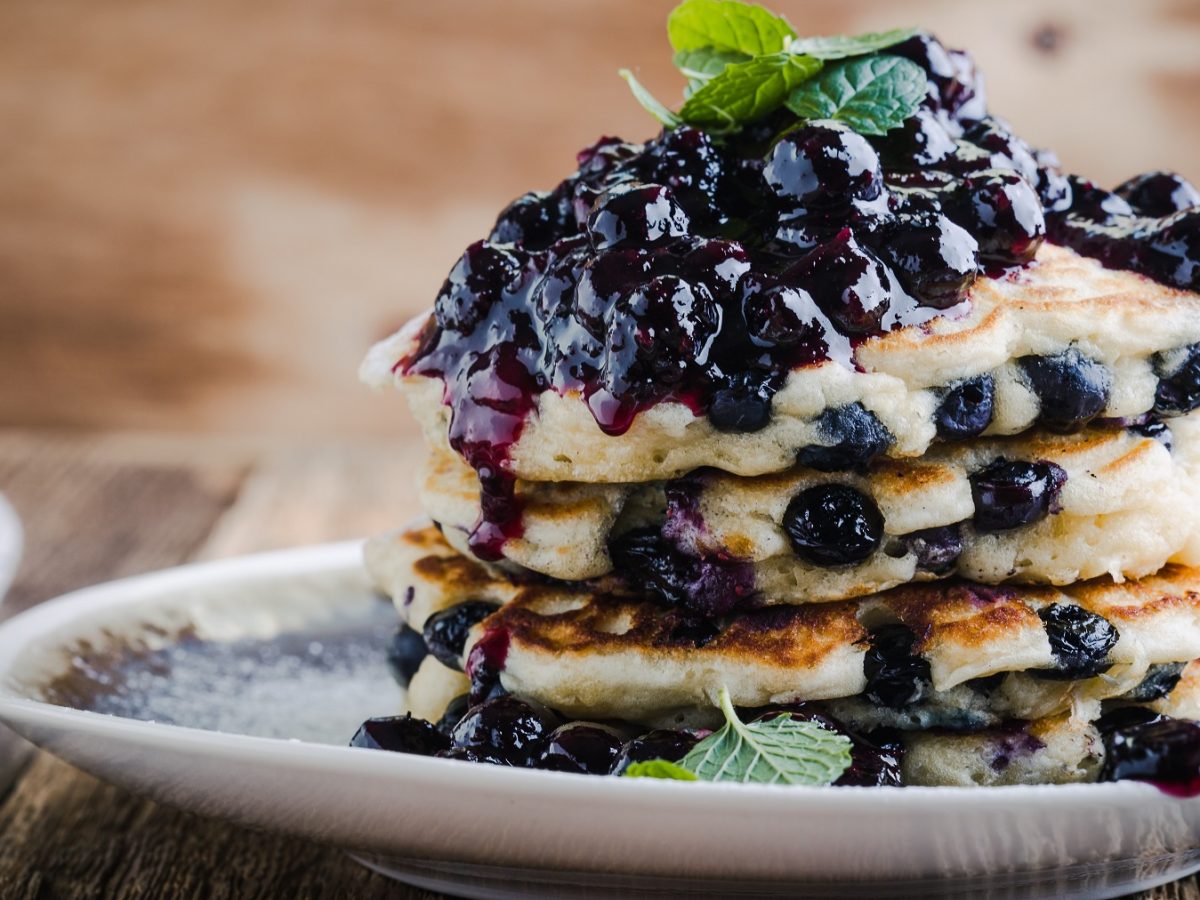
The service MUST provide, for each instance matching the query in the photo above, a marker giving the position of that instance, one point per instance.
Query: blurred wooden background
(208, 209)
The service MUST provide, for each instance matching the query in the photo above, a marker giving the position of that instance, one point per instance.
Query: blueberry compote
(1143, 746)
(701, 268)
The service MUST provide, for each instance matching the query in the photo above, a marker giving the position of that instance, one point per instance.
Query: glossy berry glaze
(701, 269)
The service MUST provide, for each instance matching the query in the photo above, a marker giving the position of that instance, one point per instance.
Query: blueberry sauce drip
(1140, 745)
(485, 662)
(701, 269)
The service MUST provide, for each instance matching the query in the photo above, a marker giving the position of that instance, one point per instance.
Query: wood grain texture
(89, 516)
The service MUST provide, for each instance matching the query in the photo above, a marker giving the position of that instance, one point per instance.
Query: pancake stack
(683, 468)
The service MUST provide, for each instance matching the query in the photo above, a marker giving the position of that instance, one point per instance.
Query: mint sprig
(782, 750)
(871, 94)
(742, 62)
(840, 46)
(745, 92)
(659, 768)
(727, 25)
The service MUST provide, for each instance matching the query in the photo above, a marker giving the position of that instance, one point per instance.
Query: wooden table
(102, 507)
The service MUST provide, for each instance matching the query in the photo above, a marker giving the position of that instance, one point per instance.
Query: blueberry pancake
(1057, 344)
(1036, 508)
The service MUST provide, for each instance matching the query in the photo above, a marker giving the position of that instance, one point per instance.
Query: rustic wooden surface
(100, 508)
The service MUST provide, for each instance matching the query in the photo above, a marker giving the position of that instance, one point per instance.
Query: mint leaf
(648, 101)
(727, 25)
(782, 750)
(872, 95)
(705, 63)
(744, 92)
(839, 46)
(658, 768)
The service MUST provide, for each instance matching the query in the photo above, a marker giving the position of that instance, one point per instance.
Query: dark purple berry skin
(707, 587)
(1080, 641)
(1072, 388)
(535, 220)
(446, 631)
(405, 654)
(875, 760)
(1004, 213)
(937, 549)
(400, 734)
(476, 756)
(1163, 751)
(636, 215)
(742, 405)
(966, 409)
(1157, 430)
(514, 730)
(935, 259)
(855, 436)
(1160, 680)
(847, 281)
(1011, 494)
(779, 315)
(477, 282)
(833, 525)
(455, 710)
(1178, 380)
(584, 747)
(896, 676)
(1158, 193)
(660, 744)
(823, 165)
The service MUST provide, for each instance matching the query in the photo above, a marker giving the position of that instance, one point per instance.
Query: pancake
(1127, 507)
(596, 655)
(1127, 333)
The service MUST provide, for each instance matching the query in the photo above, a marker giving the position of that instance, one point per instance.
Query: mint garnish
(839, 46)
(658, 768)
(782, 750)
(648, 101)
(727, 25)
(742, 62)
(744, 92)
(871, 94)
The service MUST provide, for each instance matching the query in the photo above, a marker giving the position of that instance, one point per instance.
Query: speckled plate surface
(228, 689)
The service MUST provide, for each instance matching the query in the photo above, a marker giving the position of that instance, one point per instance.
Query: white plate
(10, 545)
(290, 645)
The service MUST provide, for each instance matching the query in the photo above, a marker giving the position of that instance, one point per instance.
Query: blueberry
(687, 161)
(1072, 388)
(446, 631)
(954, 85)
(1011, 494)
(535, 220)
(1159, 193)
(855, 435)
(636, 215)
(515, 730)
(455, 710)
(821, 165)
(477, 756)
(966, 409)
(1005, 149)
(742, 404)
(937, 549)
(402, 734)
(660, 744)
(1160, 680)
(875, 760)
(921, 142)
(585, 747)
(833, 525)
(478, 280)
(896, 677)
(1127, 717)
(405, 653)
(1170, 249)
(1178, 374)
(1157, 430)
(847, 281)
(935, 259)
(778, 315)
(717, 264)
(1165, 751)
(1080, 641)
(710, 587)
(1004, 213)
